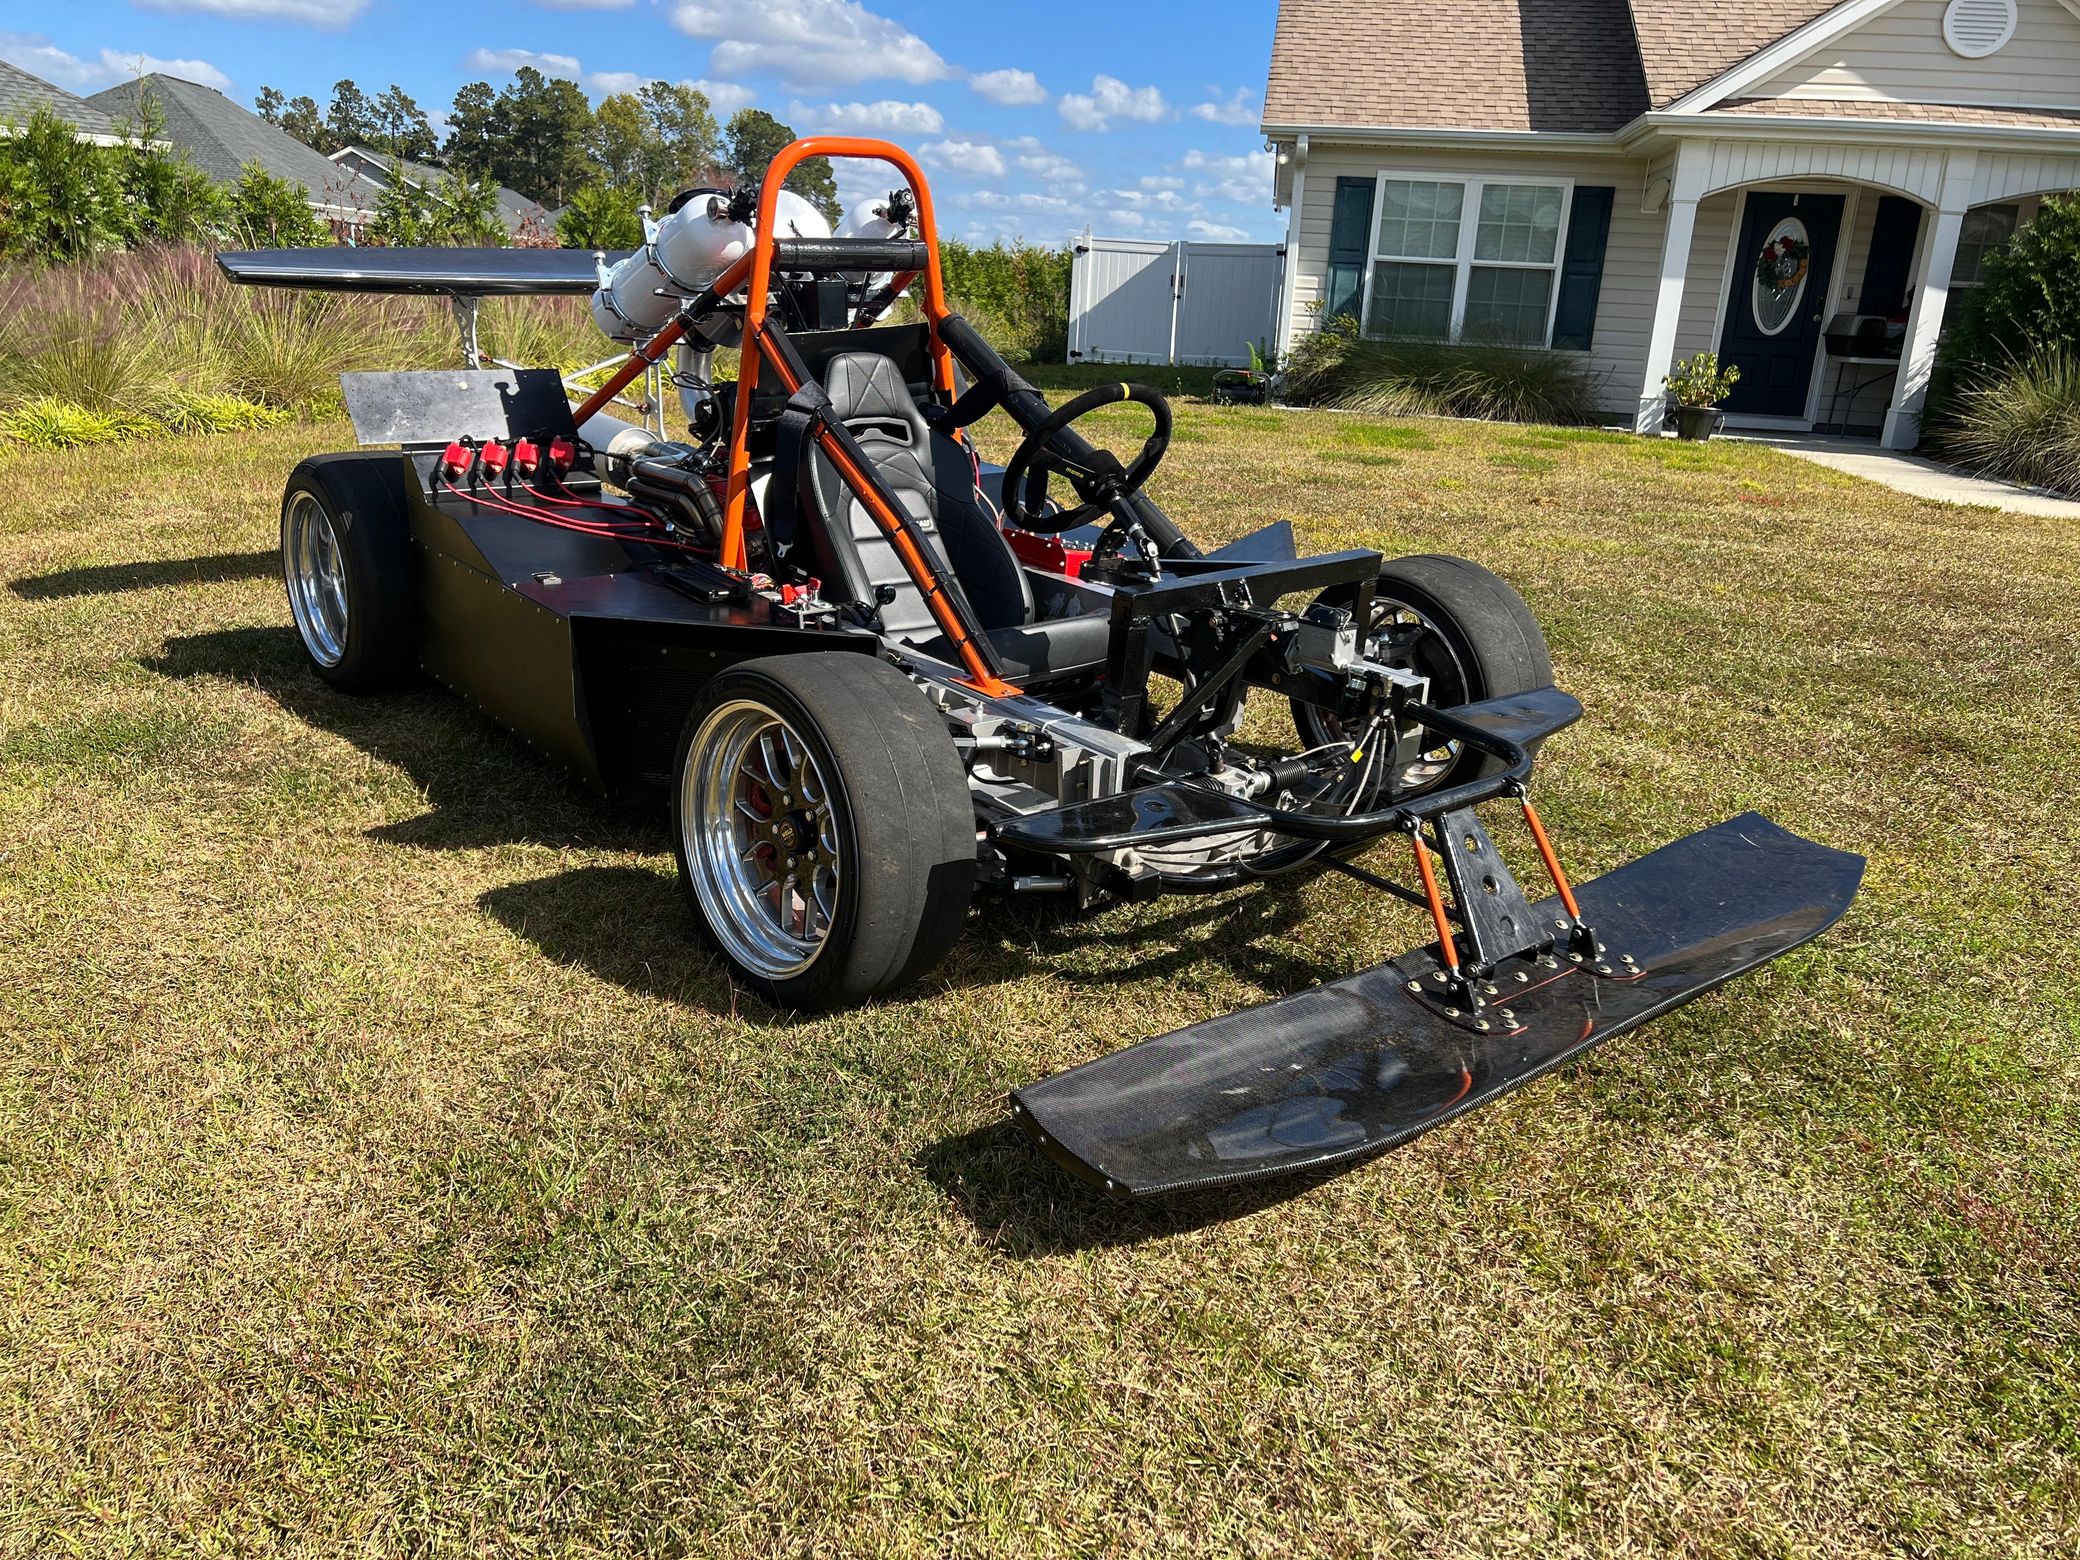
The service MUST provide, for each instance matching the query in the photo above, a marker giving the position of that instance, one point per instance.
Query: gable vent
(1976, 28)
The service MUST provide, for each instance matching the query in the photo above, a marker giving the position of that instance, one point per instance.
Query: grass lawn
(383, 1167)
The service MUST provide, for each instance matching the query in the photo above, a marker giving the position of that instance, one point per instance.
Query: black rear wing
(454, 273)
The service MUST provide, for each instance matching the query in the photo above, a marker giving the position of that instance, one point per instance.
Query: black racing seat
(932, 477)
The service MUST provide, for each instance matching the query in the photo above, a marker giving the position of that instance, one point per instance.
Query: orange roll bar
(652, 351)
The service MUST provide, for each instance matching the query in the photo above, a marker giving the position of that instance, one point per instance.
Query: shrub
(2029, 301)
(267, 212)
(59, 196)
(1335, 366)
(2021, 421)
(1700, 381)
(1017, 297)
(50, 423)
(601, 217)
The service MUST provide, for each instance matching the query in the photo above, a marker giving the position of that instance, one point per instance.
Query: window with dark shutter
(1350, 237)
(1581, 273)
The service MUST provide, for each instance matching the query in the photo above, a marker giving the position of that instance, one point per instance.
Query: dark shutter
(1581, 272)
(1350, 235)
(1891, 262)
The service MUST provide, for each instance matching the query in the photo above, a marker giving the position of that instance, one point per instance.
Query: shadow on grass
(110, 579)
(482, 786)
(625, 924)
(1026, 1206)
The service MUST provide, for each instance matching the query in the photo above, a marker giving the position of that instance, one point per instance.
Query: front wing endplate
(1354, 1067)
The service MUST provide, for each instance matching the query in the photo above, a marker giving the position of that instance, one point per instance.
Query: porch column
(1289, 263)
(1925, 318)
(1686, 188)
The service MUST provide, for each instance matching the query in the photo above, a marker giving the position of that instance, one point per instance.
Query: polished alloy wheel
(762, 839)
(317, 578)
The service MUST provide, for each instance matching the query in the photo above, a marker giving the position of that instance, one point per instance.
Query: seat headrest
(867, 387)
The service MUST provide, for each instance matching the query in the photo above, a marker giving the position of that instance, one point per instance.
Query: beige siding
(1900, 57)
(1697, 327)
(1632, 261)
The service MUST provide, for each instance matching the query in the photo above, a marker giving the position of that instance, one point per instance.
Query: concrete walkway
(1912, 474)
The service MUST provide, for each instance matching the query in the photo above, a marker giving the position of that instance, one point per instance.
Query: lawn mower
(874, 678)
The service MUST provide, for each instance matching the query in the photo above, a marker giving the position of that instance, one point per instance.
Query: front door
(1779, 291)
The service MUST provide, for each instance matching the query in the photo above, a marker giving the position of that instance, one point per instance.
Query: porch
(1838, 331)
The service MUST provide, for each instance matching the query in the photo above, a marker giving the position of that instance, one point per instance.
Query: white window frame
(1469, 233)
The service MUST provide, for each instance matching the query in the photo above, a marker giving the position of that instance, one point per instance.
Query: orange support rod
(896, 527)
(759, 298)
(1552, 860)
(1428, 874)
(653, 350)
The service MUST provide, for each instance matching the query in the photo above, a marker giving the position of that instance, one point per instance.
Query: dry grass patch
(383, 1167)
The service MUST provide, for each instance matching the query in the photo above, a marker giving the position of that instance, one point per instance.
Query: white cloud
(608, 82)
(1161, 181)
(40, 57)
(330, 13)
(1240, 108)
(586, 5)
(1147, 200)
(1245, 179)
(885, 118)
(725, 97)
(966, 157)
(809, 43)
(1215, 232)
(1012, 88)
(1049, 168)
(1110, 99)
(509, 61)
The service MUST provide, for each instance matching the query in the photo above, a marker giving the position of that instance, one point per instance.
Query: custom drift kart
(875, 678)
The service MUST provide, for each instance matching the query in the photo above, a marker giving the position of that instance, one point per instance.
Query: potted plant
(1697, 384)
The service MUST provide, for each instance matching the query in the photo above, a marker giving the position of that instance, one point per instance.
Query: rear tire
(347, 567)
(1461, 626)
(823, 828)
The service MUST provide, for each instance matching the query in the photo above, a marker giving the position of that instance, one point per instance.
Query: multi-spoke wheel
(823, 827)
(347, 566)
(1463, 628)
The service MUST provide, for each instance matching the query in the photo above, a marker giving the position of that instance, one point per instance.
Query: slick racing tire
(823, 827)
(347, 566)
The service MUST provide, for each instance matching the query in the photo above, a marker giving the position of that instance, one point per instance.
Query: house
(22, 94)
(1803, 188)
(524, 218)
(221, 138)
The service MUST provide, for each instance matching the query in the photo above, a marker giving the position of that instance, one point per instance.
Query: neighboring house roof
(221, 138)
(1685, 43)
(22, 94)
(374, 166)
(1551, 65)
(1921, 113)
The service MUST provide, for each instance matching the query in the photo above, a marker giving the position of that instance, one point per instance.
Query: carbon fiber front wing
(1357, 1066)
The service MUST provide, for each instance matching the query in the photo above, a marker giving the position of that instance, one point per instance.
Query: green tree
(401, 127)
(166, 197)
(475, 131)
(453, 210)
(600, 216)
(754, 138)
(267, 212)
(268, 104)
(351, 121)
(547, 122)
(2029, 301)
(60, 197)
(301, 119)
(686, 146)
(620, 142)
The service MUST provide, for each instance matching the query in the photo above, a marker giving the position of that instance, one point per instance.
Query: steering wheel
(1101, 482)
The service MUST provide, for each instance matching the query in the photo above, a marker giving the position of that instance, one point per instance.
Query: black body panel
(1357, 1066)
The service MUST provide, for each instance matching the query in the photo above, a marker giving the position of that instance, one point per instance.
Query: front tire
(1457, 624)
(347, 566)
(823, 828)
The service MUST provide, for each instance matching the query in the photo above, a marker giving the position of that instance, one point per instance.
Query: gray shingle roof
(222, 138)
(1550, 65)
(21, 94)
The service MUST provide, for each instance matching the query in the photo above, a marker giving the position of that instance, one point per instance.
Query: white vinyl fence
(1136, 301)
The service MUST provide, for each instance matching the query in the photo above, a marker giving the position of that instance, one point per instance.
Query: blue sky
(1136, 117)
